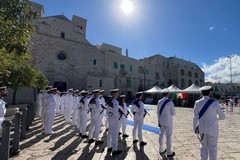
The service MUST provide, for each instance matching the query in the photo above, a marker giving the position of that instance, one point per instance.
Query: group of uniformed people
(76, 107)
(207, 112)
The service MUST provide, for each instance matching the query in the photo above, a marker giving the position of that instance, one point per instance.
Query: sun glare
(127, 6)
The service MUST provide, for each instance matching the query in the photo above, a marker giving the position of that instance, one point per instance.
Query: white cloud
(220, 70)
(212, 28)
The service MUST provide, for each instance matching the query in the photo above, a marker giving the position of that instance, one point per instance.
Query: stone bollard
(5, 142)
(23, 123)
(16, 138)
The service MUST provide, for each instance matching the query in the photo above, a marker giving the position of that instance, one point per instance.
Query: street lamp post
(230, 57)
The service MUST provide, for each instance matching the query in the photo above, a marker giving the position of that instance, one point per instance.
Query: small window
(115, 65)
(189, 74)
(182, 72)
(182, 83)
(100, 82)
(62, 35)
(122, 67)
(157, 75)
(61, 56)
(196, 82)
(189, 83)
(196, 75)
(130, 68)
(94, 61)
(128, 81)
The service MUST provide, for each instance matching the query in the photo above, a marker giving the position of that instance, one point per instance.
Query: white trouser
(43, 116)
(138, 124)
(95, 125)
(62, 109)
(39, 110)
(166, 130)
(112, 137)
(48, 121)
(209, 146)
(123, 124)
(68, 113)
(75, 117)
(83, 121)
(106, 121)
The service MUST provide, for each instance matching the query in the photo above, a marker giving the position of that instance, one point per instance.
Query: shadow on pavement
(63, 139)
(68, 151)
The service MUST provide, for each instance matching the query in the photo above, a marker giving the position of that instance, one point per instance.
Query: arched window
(189, 74)
(94, 61)
(62, 35)
(196, 75)
(189, 82)
(182, 82)
(182, 72)
(196, 82)
(170, 82)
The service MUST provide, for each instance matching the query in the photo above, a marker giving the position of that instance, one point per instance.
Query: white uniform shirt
(102, 100)
(50, 103)
(123, 107)
(167, 114)
(75, 102)
(96, 106)
(69, 101)
(58, 100)
(84, 105)
(113, 108)
(2, 111)
(138, 111)
(209, 121)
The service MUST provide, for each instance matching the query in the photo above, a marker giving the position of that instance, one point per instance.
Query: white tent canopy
(192, 89)
(155, 89)
(174, 89)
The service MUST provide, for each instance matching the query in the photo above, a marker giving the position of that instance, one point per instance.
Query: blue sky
(202, 31)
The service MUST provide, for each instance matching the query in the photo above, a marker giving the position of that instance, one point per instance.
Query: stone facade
(62, 52)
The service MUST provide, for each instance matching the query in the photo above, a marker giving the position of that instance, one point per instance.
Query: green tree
(16, 28)
(15, 37)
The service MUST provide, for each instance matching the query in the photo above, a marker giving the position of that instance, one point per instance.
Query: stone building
(62, 52)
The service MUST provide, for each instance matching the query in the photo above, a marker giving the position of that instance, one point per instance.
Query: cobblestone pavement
(64, 144)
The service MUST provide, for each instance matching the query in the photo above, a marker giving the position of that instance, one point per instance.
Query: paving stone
(64, 144)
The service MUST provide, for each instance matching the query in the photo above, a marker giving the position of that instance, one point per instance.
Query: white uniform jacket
(113, 108)
(138, 109)
(209, 121)
(50, 104)
(167, 114)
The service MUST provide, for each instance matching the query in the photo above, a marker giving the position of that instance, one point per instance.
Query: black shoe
(125, 135)
(135, 141)
(98, 142)
(163, 152)
(79, 134)
(91, 140)
(143, 143)
(117, 152)
(84, 136)
(109, 150)
(171, 155)
(119, 133)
